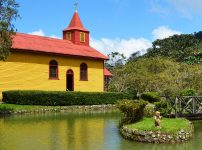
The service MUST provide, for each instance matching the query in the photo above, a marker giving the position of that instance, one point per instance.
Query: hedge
(133, 110)
(151, 97)
(164, 107)
(188, 92)
(53, 98)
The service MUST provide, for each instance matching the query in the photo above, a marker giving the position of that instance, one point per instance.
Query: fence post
(176, 112)
(194, 105)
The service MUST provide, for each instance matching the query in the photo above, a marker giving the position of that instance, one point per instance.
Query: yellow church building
(44, 63)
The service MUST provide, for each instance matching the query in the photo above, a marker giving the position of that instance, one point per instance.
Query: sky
(125, 26)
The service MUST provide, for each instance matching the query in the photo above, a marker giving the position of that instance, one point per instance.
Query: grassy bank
(22, 109)
(168, 125)
(13, 107)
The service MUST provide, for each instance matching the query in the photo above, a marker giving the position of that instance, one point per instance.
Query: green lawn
(13, 107)
(168, 125)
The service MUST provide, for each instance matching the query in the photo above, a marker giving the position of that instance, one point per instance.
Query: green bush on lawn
(149, 110)
(151, 96)
(50, 98)
(164, 107)
(133, 110)
(188, 92)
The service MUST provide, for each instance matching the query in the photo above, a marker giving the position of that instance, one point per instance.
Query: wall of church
(30, 71)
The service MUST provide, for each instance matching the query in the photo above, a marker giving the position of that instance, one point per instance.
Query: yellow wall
(30, 71)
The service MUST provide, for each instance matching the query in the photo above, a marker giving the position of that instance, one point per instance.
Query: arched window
(83, 72)
(53, 69)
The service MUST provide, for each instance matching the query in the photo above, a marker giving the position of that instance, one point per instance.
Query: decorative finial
(76, 5)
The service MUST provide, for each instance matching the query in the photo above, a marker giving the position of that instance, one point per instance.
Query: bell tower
(76, 32)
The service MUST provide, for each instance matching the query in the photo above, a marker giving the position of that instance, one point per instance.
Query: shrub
(133, 110)
(188, 92)
(151, 96)
(164, 107)
(50, 98)
(133, 92)
(149, 110)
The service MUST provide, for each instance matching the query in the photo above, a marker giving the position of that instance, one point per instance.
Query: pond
(76, 131)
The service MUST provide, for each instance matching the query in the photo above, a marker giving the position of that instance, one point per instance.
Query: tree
(115, 60)
(198, 35)
(157, 74)
(134, 56)
(177, 47)
(169, 66)
(8, 13)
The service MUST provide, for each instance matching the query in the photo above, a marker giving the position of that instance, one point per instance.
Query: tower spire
(76, 5)
(76, 32)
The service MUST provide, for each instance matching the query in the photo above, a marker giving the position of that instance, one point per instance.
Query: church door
(70, 80)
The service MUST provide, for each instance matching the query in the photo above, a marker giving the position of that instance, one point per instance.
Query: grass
(168, 125)
(13, 107)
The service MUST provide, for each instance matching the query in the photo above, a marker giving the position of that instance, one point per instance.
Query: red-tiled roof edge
(57, 54)
(17, 46)
(79, 29)
(107, 73)
(106, 57)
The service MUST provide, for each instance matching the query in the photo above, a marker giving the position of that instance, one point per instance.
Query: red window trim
(57, 71)
(86, 72)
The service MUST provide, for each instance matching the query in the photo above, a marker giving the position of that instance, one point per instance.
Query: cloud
(127, 47)
(158, 7)
(194, 5)
(163, 32)
(187, 7)
(39, 32)
(55, 36)
(184, 8)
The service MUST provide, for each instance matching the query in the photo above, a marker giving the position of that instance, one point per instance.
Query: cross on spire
(76, 5)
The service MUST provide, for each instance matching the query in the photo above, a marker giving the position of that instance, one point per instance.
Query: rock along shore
(157, 136)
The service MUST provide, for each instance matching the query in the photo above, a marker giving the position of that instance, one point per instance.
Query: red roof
(76, 23)
(107, 72)
(35, 43)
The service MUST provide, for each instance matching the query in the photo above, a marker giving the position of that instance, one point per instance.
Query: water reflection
(75, 131)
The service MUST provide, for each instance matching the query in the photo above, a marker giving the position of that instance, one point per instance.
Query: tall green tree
(8, 14)
(178, 47)
(157, 74)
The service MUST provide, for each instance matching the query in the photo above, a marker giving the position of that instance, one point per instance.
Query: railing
(186, 105)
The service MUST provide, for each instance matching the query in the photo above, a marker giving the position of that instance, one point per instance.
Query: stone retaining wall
(65, 109)
(157, 136)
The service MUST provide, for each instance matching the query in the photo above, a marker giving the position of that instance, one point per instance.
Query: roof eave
(79, 29)
(61, 54)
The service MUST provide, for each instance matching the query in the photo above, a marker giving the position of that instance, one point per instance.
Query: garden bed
(172, 131)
